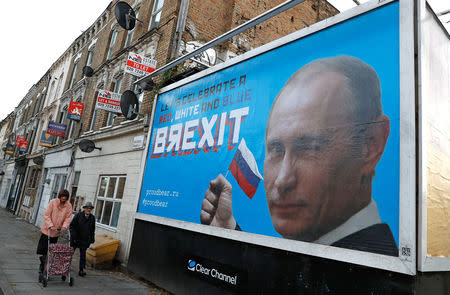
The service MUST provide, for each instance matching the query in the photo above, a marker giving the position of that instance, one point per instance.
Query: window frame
(130, 33)
(99, 212)
(111, 115)
(74, 74)
(94, 114)
(59, 176)
(155, 13)
(112, 41)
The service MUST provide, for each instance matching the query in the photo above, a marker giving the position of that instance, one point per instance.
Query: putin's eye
(275, 147)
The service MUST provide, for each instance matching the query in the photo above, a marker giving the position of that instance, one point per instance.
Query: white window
(89, 57)
(51, 94)
(109, 199)
(59, 182)
(59, 85)
(94, 118)
(131, 33)
(94, 115)
(74, 74)
(139, 93)
(156, 14)
(111, 44)
(111, 115)
(71, 128)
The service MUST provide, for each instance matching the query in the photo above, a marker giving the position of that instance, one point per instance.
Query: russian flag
(244, 169)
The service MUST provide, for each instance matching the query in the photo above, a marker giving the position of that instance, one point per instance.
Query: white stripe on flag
(249, 158)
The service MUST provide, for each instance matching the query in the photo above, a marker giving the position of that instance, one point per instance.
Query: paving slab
(19, 265)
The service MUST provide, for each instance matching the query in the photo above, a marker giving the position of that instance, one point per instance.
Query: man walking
(82, 232)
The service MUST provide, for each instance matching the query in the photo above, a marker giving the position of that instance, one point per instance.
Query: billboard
(138, 65)
(75, 110)
(295, 147)
(108, 101)
(57, 129)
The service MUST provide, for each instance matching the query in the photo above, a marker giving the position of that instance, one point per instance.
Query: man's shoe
(81, 273)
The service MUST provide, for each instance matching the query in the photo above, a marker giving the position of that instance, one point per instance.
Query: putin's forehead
(321, 95)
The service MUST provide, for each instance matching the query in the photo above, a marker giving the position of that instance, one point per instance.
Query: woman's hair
(63, 193)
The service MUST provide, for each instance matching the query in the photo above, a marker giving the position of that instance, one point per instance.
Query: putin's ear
(376, 144)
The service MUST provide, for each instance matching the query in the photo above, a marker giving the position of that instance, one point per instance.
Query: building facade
(109, 175)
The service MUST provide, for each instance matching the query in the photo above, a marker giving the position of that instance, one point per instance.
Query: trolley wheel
(71, 282)
(63, 278)
(44, 282)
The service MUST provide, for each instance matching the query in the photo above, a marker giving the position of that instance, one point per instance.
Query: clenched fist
(217, 206)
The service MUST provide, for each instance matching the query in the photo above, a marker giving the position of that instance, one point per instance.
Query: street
(19, 267)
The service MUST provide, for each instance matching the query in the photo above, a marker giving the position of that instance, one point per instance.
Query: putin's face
(312, 170)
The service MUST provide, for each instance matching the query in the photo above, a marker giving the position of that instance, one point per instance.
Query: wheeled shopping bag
(59, 260)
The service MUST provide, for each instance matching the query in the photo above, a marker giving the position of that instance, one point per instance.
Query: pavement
(19, 268)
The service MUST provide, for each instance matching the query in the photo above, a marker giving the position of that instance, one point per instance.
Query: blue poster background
(179, 182)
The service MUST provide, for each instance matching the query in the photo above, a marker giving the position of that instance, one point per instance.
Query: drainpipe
(181, 24)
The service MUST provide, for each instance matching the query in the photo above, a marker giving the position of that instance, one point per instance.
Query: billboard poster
(23, 145)
(19, 138)
(75, 110)
(300, 142)
(46, 139)
(57, 129)
(108, 101)
(138, 65)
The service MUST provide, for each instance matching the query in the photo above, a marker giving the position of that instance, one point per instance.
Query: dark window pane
(107, 212)
(101, 191)
(120, 188)
(98, 210)
(115, 215)
(111, 187)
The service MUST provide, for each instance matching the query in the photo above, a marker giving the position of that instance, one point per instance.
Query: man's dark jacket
(377, 238)
(82, 230)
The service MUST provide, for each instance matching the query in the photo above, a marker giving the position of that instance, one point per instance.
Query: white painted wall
(115, 158)
(53, 162)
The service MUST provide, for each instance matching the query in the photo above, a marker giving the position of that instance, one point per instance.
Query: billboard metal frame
(425, 263)
(406, 261)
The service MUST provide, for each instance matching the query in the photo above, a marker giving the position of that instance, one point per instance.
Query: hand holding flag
(217, 206)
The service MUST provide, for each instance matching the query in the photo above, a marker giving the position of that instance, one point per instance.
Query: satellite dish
(125, 15)
(38, 160)
(87, 146)
(129, 105)
(88, 71)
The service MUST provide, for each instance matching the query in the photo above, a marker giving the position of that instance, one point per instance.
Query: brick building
(166, 29)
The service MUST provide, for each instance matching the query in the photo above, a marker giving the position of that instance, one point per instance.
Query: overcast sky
(35, 36)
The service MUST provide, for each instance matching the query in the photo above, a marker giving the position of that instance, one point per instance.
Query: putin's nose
(286, 179)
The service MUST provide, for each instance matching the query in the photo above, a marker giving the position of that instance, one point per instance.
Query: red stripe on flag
(248, 189)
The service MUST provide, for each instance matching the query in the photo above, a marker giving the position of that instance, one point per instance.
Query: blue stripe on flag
(245, 169)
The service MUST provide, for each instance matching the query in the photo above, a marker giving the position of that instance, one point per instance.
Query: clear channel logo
(191, 265)
(211, 272)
